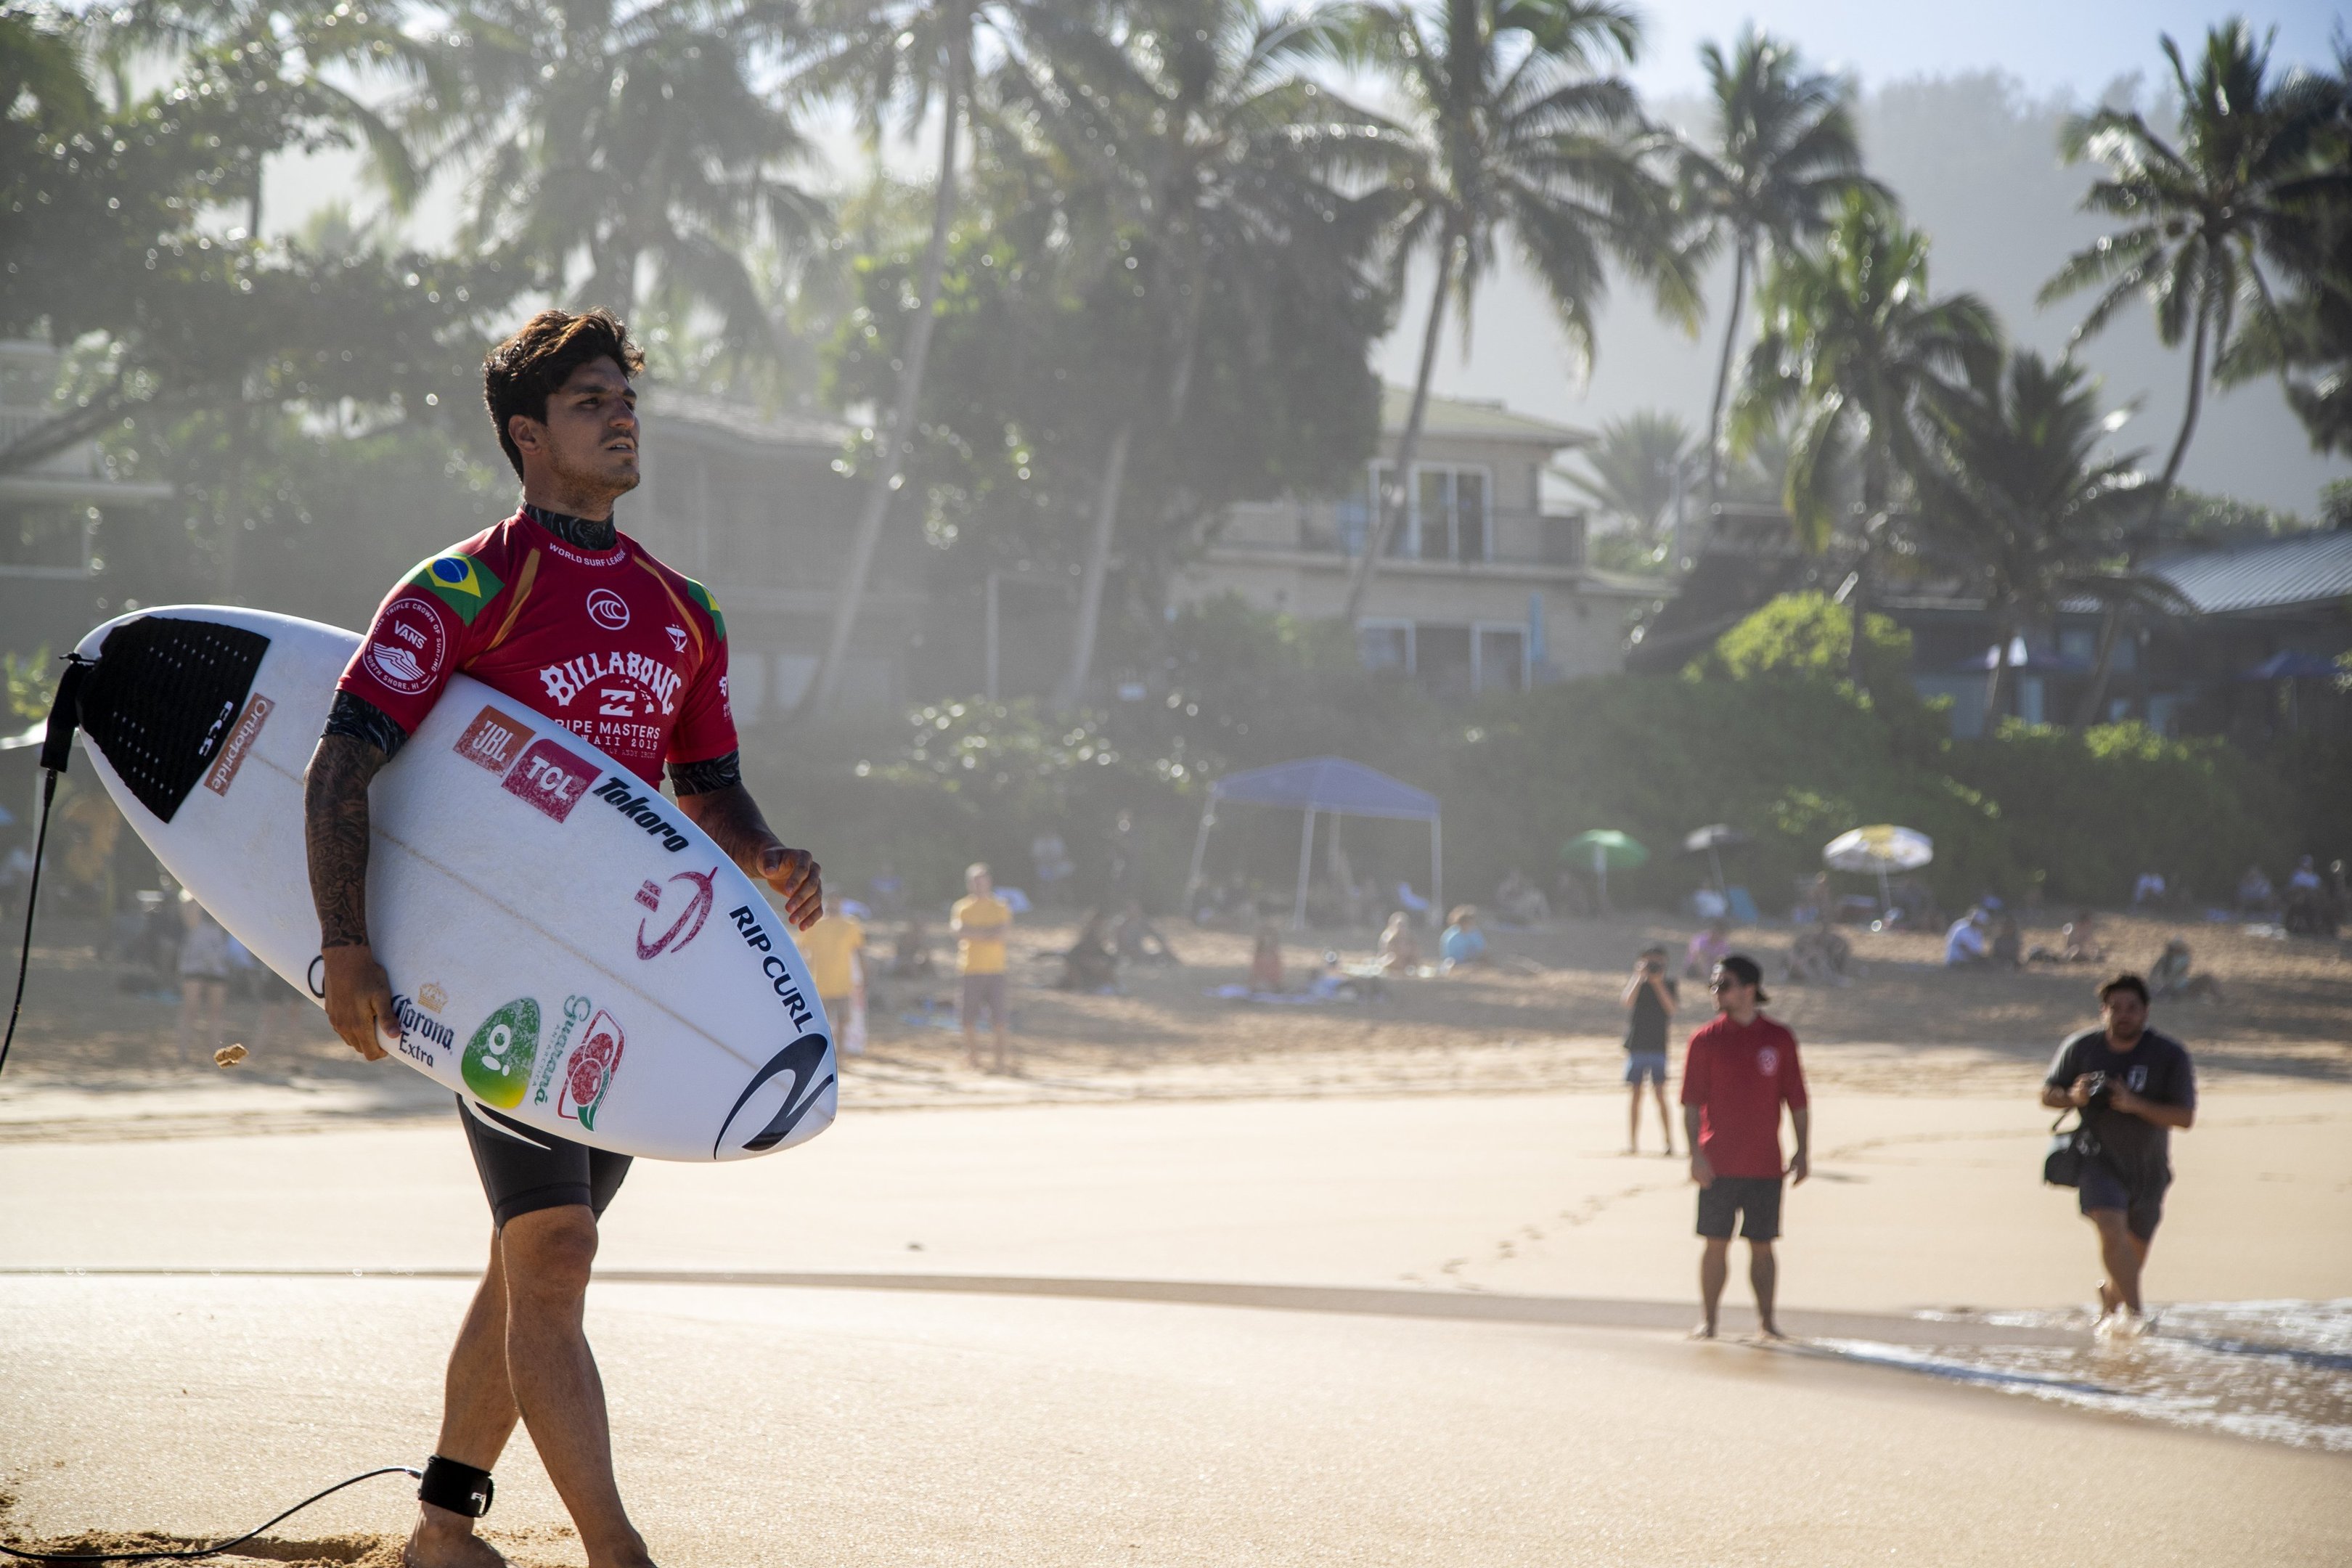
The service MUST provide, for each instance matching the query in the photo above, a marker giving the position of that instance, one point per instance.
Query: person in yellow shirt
(981, 921)
(835, 949)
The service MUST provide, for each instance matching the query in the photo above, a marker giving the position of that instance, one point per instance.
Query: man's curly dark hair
(539, 358)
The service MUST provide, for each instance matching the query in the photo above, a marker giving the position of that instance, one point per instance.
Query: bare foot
(437, 1543)
(1769, 1330)
(2108, 1302)
(1704, 1332)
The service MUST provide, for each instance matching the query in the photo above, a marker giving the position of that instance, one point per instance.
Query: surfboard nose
(788, 1101)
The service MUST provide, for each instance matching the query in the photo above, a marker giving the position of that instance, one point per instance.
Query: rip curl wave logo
(701, 896)
(803, 1058)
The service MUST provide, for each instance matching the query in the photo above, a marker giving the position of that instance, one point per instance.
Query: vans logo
(406, 647)
(550, 778)
(241, 742)
(492, 739)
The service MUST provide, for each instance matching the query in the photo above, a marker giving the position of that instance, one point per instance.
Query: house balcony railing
(1499, 537)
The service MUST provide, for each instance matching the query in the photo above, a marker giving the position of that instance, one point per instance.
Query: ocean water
(2276, 1372)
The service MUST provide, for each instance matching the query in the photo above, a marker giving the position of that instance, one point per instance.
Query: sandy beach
(1223, 1284)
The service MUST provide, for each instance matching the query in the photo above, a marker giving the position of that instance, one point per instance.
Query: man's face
(979, 883)
(589, 442)
(2125, 1016)
(1732, 994)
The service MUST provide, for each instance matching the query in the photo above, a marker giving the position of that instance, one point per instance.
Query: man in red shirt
(1741, 1069)
(558, 611)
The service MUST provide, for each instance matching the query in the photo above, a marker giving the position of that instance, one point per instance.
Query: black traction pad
(163, 698)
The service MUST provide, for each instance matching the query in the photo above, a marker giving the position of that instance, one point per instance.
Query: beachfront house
(1486, 586)
(755, 507)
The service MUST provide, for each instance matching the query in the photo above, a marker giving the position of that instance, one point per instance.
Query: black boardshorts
(524, 1169)
(1754, 1200)
(2142, 1207)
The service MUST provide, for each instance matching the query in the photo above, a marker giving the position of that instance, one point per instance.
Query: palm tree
(1851, 343)
(2197, 218)
(616, 136)
(1783, 153)
(2012, 484)
(1518, 126)
(1639, 467)
(1216, 154)
(896, 58)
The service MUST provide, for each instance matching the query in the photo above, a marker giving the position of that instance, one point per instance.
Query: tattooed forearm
(733, 818)
(335, 829)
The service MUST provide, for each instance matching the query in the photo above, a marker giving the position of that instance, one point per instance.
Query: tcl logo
(550, 779)
(608, 609)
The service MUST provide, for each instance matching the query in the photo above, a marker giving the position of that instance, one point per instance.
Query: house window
(1451, 516)
(1443, 660)
(1502, 661)
(1386, 646)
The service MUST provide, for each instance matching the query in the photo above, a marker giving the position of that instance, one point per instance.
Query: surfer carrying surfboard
(558, 612)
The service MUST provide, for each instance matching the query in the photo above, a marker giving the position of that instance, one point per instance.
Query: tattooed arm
(335, 829)
(712, 794)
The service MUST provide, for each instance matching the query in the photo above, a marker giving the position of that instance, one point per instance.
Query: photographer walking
(1650, 1001)
(2132, 1085)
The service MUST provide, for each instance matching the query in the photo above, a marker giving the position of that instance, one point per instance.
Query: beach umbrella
(1881, 849)
(1604, 847)
(1712, 841)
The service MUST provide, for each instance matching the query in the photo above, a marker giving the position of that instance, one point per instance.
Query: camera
(2103, 1093)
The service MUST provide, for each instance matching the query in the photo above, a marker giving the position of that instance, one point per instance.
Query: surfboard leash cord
(57, 749)
(191, 1554)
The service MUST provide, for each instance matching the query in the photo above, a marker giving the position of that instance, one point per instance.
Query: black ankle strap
(460, 1489)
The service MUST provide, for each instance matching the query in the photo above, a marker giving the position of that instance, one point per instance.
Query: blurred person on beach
(2255, 894)
(1138, 941)
(981, 921)
(2078, 942)
(1266, 960)
(2169, 975)
(1707, 950)
(911, 958)
(2131, 1086)
(1651, 997)
(835, 951)
(1462, 944)
(1521, 900)
(1739, 1069)
(1968, 945)
(1089, 965)
(1818, 955)
(2149, 890)
(1400, 949)
(2008, 943)
(204, 969)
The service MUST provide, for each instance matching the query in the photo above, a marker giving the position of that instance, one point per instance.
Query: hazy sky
(2048, 44)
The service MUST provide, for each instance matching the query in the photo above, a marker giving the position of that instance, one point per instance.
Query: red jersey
(1738, 1075)
(611, 643)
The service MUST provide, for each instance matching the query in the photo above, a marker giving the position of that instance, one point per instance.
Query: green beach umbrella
(1604, 847)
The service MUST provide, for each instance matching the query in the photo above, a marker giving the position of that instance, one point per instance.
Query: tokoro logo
(808, 1059)
(499, 1058)
(638, 808)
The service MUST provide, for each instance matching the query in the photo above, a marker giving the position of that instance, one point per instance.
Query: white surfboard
(565, 947)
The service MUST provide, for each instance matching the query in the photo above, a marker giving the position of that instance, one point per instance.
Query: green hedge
(1765, 733)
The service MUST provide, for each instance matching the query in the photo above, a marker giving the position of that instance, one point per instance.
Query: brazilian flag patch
(701, 595)
(460, 582)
